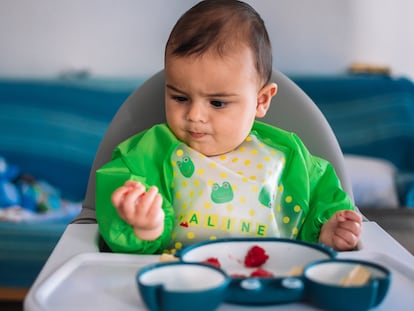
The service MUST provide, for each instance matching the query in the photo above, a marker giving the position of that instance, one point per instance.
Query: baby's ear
(264, 98)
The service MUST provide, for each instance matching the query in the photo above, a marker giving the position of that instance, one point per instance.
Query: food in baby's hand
(358, 276)
(213, 261)
(261, 273)
(256, 256)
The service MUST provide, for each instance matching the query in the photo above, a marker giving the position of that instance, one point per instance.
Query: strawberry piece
(213, 261)
(261, 273)
(256, 256)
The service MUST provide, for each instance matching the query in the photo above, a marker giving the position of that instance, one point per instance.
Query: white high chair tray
(105, 281)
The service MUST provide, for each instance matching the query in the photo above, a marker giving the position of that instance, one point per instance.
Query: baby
(212, 170)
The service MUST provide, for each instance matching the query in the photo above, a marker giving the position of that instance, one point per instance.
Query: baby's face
(212, 101)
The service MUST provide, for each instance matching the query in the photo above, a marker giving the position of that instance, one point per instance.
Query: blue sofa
(372, 116)
(50, 129)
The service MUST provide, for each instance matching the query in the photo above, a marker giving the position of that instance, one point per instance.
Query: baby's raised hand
(342, 230)
(141, 209)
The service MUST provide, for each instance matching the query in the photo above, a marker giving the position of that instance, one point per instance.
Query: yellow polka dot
(190, 235)
(242, 149)
(253, 177)
(271, 217)
(288, 199)
(179, 152)
(278, 208)
(234, 187)
(254, 152)
(200, 193)
(184, 206)
(178, 195)
(172, 184)
(201, 156)
(223, 157)
(281, 188)
(229, 207)
(283, 160)
(196, 183)
(223, 175)
(184, 183)
(267, 158)
(207, 205)
(240, 172)
(213, 237)
(213, 164)
(249, 138)
(255, 189)
(297, 208)
(178, 245)
(252, 212)
(173, 164)
(273, 152)
(210, 182)
(286, 220)
(245, 179)
(191, 194)
(174, 235)
(200, 171)
(260, 166)
(243, 200)
(295, 231)
(174, 174)
(261, 145)
(247, 162)
(234, 160)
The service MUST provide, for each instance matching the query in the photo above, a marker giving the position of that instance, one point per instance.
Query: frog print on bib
(238, 194)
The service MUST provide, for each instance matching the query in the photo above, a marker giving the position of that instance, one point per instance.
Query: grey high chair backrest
(291, 109)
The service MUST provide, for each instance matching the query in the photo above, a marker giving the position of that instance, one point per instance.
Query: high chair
(291, 109)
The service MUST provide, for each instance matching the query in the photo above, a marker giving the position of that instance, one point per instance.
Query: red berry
(261, 273)
(213, 261)
(256, 256)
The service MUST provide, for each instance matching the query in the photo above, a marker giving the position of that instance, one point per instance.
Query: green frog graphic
(186, 166)
(265, 197)
(223, 193)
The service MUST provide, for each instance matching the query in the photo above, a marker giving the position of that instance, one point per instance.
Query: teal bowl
(284, 256)
(179, 286)
(323, 285)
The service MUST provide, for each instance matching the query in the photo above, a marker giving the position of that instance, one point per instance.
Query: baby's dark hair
(222, 25)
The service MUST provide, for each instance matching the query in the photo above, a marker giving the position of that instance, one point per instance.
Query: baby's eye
(217, 104)
(179, 99)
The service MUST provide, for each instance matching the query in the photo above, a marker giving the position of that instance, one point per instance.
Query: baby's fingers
(118, 196)
(134, 194)
(350, 216)
(344, 241)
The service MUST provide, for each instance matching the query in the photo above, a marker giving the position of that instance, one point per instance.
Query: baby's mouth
(196, 135)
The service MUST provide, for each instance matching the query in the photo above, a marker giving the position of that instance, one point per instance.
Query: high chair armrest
(76, 239)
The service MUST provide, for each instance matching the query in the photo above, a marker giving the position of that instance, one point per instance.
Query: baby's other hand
(141, 209)
(342, 230)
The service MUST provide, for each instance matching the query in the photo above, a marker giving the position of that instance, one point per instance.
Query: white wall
(383, 33)
(126, 37)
